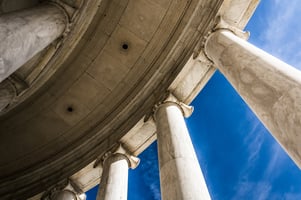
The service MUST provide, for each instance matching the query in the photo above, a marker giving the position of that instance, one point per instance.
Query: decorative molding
(68, 12)
(118, 149)
(171, 99)
(68, 186)
(221, 24)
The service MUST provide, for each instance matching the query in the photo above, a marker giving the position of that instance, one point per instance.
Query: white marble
(66, 195)
(181, 177)
(114, 179)
(269, 86)
(25, 33)
(192, 79)
(63, 191)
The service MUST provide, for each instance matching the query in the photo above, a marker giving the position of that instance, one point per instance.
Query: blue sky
(238, 156)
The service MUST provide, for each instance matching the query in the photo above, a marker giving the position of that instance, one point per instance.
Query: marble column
(25, 33)
(181, 177)
(64, 191)
(269, 86)
(114, 179)
(66, 195)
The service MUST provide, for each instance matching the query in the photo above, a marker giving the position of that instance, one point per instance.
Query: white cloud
(149, 176)
(292, 196)
(254, 190)
(275, 159)
(282, 34)
(281, 38)
(246, 186)
(254, 141)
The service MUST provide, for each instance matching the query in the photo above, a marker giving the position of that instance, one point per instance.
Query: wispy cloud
(246, 185)
(151, 171)
(275, 159)
(281, 37)
(253, 141)
(253, 190)
(292, 196)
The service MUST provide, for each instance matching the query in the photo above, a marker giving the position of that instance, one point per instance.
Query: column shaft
(114, 179)
(66, 195)
(269, 86)
(180, 175)
(25, 33)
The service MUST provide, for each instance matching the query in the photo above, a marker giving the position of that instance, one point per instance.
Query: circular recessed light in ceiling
(125, 46)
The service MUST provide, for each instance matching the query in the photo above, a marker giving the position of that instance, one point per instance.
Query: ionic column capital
(269, 86)
(133, 161)
(66, 190)
(70, 9)
(172, 100)
(180, 174)
(114, 177)
(222, 24)
(219, 25)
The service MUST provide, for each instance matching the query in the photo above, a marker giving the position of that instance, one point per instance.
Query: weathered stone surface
(25, 33)
(114, 179)
(269, 86)
(180, 175)
(94, 89)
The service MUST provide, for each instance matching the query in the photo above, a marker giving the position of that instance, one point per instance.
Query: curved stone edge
(146, 145)
(189, 82)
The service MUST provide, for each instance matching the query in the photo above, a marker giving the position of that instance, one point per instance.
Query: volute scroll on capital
(66, 188)
(133, 161)
(219, 26)
(70, 10)
(222, 24)
(171, 99)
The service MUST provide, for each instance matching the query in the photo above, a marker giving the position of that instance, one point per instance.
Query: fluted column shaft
(269, 86)
(180, 175)
(25, 33)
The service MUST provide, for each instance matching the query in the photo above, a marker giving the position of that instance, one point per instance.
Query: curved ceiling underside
(127, 55)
